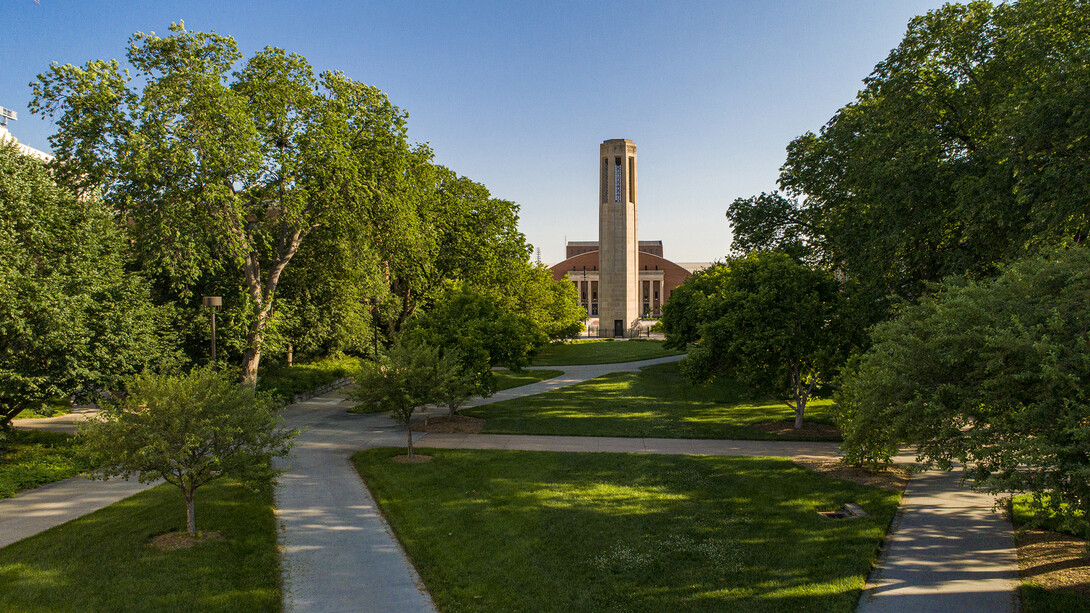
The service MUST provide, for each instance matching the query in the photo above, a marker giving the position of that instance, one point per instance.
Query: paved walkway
(65, 423)
(339, 554)
(947, 550)
(34, 511)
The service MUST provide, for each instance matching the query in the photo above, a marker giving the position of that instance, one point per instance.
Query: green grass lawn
(286, 381)
(505, 379)
(103, 562)
(1038, 598)
(570, 532)
(655, 402)
(51, 408)
(34, 458)
(606, 351)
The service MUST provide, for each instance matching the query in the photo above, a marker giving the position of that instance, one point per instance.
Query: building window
(618, 180)
(605, 177)
(631, 179)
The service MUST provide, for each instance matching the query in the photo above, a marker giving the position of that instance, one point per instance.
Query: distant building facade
(6, 136)
(620, 279)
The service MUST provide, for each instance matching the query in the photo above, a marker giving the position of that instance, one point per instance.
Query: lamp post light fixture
(213, 302)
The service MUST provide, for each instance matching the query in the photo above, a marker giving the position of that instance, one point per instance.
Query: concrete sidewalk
(339, 554)
(664, 446)
(37, 510)
(947, 551)
(67, 423)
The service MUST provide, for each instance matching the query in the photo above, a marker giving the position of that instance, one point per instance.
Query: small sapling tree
(458, 383)
(187, 430)
(410, 376)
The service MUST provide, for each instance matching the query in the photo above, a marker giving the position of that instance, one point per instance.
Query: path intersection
(947, 550)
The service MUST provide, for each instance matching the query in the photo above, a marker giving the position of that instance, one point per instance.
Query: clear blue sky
(518, 95)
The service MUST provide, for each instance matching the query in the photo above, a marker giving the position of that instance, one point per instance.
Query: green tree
(187, 430)
(774, 222)
(71, 317)
(324, 297)
(968, 143)
(458, 384)
(994, 374)
(692, 304)
(222, 167)
(410, 376)
(472, 324)
(440, 228)
(775, 329)
(528, 288)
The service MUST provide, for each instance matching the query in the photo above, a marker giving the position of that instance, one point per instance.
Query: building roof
(25, 150)
(695, 266)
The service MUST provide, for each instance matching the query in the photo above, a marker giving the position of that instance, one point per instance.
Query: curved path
(339, 553)
(947, 551)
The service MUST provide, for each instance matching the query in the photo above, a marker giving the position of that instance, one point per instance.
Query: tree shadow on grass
(103, 561)
(543, 531)
(655, 402)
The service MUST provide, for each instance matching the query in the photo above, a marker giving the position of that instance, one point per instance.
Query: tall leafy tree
(441, 228)
(994, 374)
(528, 288)
(772, 221)
(968, 143)
(325, 297)
(72, 319)
(775, 329)
(221, 166)
(693, 303)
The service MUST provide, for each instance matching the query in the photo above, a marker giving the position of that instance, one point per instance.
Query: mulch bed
(443, 424)
(183, 540)
(415, 459)
(1053, 560)
(892, 478)
(809, 429)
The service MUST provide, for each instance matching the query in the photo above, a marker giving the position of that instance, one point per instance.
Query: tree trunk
(190, 515)
(252, 356)
(409, 431)
(262, 293)
(800, 395)
(7, 416)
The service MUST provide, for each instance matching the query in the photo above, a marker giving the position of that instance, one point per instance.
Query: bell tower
(618, 254)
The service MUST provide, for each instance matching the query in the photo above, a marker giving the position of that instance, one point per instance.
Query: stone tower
(618, 255)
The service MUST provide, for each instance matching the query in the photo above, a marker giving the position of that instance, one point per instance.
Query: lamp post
(213, 302)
